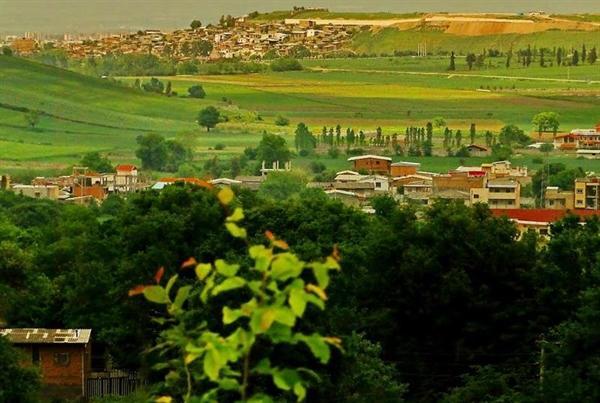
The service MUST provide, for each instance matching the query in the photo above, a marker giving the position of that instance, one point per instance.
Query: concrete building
(403, 168)
(498, 194)
(557, 199)
(587, 193)
(51, 192)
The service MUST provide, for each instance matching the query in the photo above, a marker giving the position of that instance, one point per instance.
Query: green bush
(286, 64)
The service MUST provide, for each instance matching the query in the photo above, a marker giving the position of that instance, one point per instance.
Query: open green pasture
(390, 40)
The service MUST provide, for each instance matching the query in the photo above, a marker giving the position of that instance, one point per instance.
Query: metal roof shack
(47, 336)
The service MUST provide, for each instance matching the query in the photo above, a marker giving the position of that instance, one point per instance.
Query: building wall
(457, 182)
(60, 380)
(372, 165)
(403, 170)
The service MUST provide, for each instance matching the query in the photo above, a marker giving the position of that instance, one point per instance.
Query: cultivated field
(82, 114)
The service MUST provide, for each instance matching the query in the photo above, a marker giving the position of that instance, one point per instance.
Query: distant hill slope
(389, 40)
(79, 114)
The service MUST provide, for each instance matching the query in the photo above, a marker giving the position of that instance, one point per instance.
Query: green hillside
(283, 14)
(79, 114)
(389, 40)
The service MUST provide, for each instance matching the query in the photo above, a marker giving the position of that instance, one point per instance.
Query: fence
(116, 383)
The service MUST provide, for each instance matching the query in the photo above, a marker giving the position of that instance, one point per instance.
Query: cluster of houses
(586, 142)
(245, 39)
(82, 186)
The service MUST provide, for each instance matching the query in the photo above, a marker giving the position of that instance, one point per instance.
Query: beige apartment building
(498, 194)
(587, 193)
(556, 199)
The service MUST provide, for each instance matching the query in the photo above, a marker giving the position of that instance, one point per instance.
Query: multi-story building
(587, 193)
(498, 194)
(557, 199)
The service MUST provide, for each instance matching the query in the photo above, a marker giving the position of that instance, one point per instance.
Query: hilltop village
(232, 38)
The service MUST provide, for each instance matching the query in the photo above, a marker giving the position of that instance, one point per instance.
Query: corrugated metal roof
(47, 336)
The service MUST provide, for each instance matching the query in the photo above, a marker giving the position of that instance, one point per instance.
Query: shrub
(196, 91)
(317, 166)
(219, 146)
(333, 153)
(282, 121)
(286, 64)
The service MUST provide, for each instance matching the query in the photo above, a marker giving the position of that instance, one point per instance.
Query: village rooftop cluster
(234, 38)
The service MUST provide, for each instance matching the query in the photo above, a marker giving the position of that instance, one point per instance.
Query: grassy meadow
(83, 114)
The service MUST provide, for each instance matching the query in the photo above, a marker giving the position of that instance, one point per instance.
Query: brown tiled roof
(47, 336)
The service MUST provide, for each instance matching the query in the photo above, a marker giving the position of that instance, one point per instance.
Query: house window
(62, 359)
(35, 355)
(543, 231)
(476, 196)
(377, 184)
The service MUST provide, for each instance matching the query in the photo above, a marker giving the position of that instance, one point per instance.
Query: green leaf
(285, 316)
(235, 231)
(229, 384)
(226, 269)
(279, 333)
(262, 319)
(297, 301)
(321, 274)
(286, 379)
(285, 266)
(238, 215)
(300, 391)
(313, 299)
(262, 257)
(317, 346)
(171, 283)
(182, 295)
(263, 367)
(202, 270)
(225, 195)
(156, 294)
(231, 315)
(229, 284)
(212, 363)
(260, 398)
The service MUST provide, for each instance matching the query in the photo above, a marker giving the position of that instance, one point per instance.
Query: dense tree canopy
(446, 304)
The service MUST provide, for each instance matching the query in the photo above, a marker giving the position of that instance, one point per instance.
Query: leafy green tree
(152, 150)
(472, 133)
(511, 134)
(546, 121)
(593, 56)
(452, 66)
(196, 91)
(273, 148)
(209, 117)
(575, 58)
(195, 24)
(471, 58)
(304, 139)
(282, 185)
(154, 85)
(6, 51)
(439, 122)
(546, 148)
(229, 357)
(177, 154)
(17, 383)
(96, 162)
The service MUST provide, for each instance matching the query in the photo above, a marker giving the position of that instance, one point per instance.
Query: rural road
(450, 75)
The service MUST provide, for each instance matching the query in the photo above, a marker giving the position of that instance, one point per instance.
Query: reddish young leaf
(137, 290)
(269, 235)
(336, 253)
(281, 244)
(159, 274)
(191, 262)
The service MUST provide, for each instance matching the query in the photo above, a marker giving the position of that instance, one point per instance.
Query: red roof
(541, 215)
(125, 167)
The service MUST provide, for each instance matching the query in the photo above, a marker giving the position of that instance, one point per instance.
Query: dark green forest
(443, 305)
